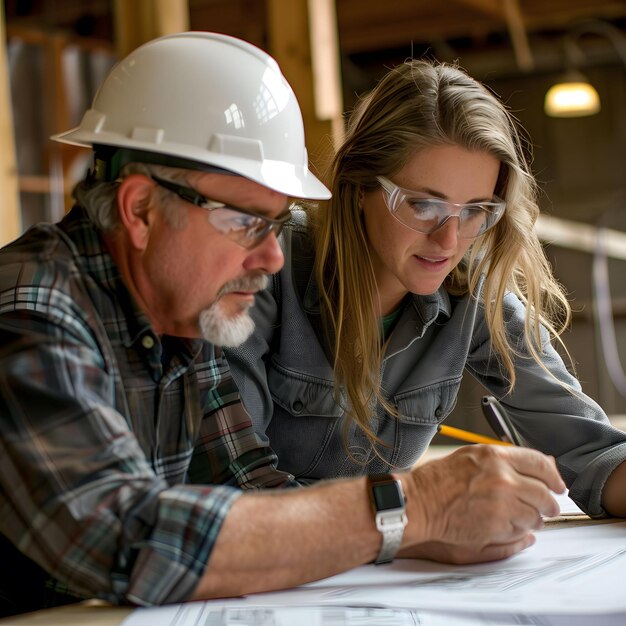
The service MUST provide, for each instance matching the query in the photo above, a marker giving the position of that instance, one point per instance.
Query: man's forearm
(477, 504)
(275, 540)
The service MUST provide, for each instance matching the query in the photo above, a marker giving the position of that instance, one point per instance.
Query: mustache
(254, 283)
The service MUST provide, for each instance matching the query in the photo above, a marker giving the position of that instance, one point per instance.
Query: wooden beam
(518, 34)
(289, 44)
(573, 235)
(510, 12)
(492, 8)
(327, 87)
(367, 25)
(142, 20)
(10, 211)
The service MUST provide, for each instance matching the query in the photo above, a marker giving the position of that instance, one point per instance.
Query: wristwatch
(388, 503)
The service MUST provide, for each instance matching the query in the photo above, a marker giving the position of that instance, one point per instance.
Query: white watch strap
(391, 526)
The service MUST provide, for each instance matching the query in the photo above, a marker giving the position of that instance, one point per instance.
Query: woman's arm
(552, 414)
(614, 492)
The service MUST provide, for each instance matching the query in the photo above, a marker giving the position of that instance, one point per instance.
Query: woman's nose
(447, 235)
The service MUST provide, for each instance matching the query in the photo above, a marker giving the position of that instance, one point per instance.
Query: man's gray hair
(99, 198)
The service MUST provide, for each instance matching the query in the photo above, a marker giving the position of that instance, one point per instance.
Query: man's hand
(460, 555)
(478, 504)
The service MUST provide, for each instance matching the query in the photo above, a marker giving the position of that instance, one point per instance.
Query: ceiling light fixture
(574, 95)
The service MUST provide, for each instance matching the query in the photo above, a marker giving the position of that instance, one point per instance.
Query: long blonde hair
(417, 105)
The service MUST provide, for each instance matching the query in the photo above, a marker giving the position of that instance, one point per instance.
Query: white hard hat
(208, 98)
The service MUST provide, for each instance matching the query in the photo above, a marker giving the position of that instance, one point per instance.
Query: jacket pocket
(428, 405)
(304, 430)
(301, 394)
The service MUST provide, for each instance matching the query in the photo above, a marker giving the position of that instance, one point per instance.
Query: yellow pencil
(465, 435)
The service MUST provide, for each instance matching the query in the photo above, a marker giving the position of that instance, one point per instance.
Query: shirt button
(297, 406)
(438, 412)
(147, 342)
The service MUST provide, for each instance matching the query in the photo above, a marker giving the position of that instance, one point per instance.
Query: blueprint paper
(569, 575)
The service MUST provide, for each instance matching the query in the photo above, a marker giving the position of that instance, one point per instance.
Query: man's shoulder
(42, 245)
(39, 241)
(38, 271)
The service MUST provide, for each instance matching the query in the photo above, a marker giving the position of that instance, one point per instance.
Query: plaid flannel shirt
(121, 452)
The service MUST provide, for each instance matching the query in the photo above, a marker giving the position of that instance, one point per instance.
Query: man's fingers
(503, 551)
(536, 465)
(483, 496)
(531, 482)
(463, 555)
(535, 494)
(527, 518)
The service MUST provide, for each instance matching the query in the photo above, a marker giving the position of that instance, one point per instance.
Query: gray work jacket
(286, 382)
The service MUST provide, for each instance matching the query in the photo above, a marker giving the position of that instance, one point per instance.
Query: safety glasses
(246, 228)
(426, 215)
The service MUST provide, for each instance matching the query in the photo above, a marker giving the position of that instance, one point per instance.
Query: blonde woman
(424, 266)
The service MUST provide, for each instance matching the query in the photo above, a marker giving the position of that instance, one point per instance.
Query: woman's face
(408, 261)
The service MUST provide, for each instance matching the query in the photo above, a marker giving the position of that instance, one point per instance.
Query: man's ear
(135, 208)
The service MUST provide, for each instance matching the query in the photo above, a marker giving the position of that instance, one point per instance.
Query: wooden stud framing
(289, 44)
(10, 215)
(142, 20)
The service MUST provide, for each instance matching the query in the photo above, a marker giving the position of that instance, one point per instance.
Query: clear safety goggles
(426, 215)
(246, 228)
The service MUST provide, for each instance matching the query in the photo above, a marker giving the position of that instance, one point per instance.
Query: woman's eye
(425, 209)
(474, 213)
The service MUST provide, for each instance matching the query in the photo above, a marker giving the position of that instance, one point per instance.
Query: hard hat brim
(276, 175)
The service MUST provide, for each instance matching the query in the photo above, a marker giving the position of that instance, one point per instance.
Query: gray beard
(230, 331)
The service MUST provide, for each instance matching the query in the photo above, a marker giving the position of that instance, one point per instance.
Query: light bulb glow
(572, 99)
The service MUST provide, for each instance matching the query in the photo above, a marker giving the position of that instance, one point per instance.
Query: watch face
(387, 496)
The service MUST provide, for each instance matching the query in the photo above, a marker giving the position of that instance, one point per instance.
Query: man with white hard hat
(124, 450)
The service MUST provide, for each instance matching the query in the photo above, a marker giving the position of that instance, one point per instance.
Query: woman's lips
(433, 264)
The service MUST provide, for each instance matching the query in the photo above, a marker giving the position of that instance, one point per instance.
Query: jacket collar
(428, 308)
